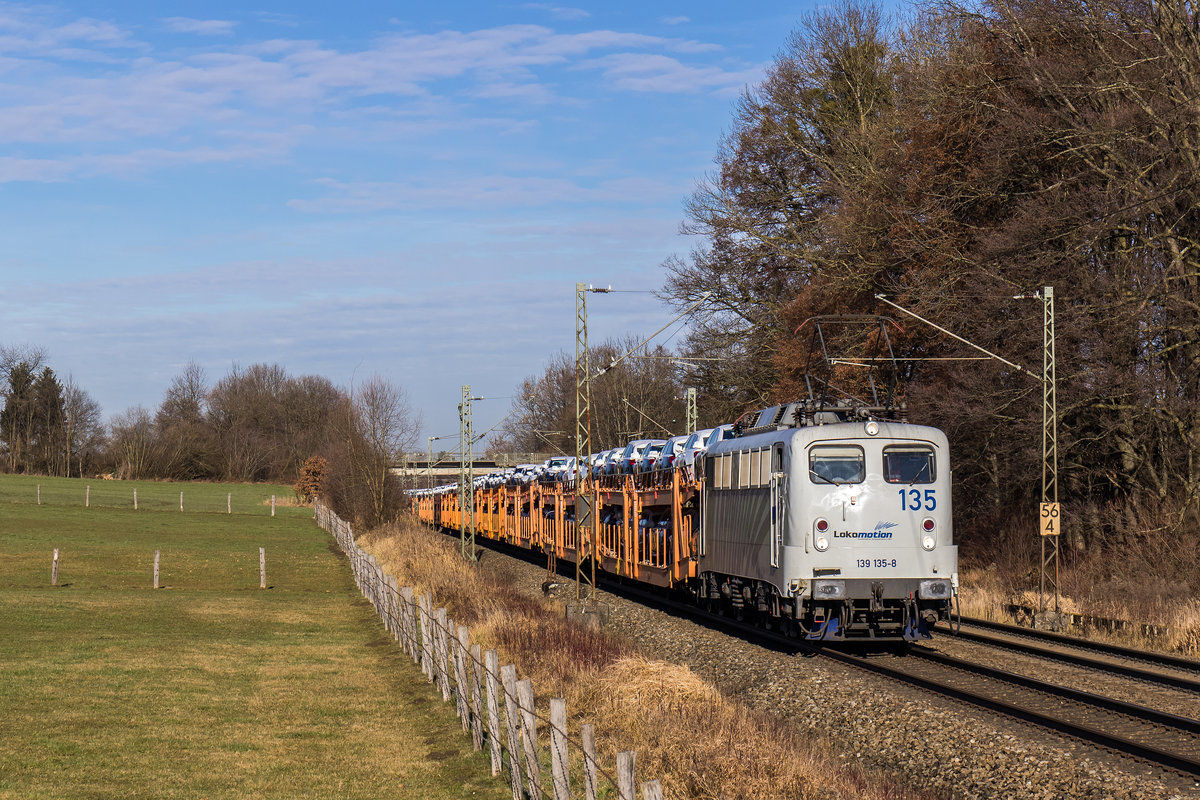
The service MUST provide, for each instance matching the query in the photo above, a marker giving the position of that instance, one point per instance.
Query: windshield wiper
(822, 478)
(917, 477)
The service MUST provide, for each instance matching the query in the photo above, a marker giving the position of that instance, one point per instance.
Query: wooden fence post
(87, 497)
(155, 569)
(373, 582)
(135, 499)
(508, 676)
(262, 567)
(54, 569)
(406, 621)
(414, 627)
(461, 654)
(402, 619)
(476, 668)
(587, 732)
(558, 748)
(530, 741)
(441, 649)
(39, 494)
(491, 666)
(393, 608)
(272, 505)
(229, 503)
(426, 640)
(625, 768)
(181, 501)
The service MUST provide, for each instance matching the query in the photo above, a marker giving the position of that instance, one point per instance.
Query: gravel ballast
(925, 740)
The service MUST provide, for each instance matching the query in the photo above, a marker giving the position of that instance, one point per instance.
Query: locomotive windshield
(910, 464)
(837, 464)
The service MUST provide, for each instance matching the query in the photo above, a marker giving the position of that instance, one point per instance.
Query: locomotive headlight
(872, 427)
(928, 540)
(821, 539)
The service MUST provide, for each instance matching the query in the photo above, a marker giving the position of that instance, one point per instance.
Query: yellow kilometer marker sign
(1049, 519)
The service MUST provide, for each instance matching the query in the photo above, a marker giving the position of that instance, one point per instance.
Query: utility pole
(584, 519)
(692, 416)
(1050, 515)
(585, 540)
(466, 475)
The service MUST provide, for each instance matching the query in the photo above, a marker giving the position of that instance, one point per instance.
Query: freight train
(830, 521)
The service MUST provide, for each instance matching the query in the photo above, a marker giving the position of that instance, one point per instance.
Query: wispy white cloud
(480, 192)
(40, 170)
(674, 20)
(558, 12)
(655, 72)
(146, 95)
(28, 32)
(203, 27)
(277, 18)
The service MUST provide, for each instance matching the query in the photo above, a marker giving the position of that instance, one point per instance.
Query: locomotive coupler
(915, 628)
(876, 599)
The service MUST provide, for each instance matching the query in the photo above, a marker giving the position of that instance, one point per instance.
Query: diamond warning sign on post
(1049, 520)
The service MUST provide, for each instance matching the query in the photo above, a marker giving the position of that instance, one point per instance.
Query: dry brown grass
(1133, 560)
(700, 743)
(986, 591)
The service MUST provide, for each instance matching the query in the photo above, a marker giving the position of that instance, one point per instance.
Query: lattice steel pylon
(585, 540)
(466, 476)
(1049, 571)
(692, 416)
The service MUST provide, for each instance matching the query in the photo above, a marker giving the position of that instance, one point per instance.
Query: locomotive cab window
(909, 464)
(837, 464)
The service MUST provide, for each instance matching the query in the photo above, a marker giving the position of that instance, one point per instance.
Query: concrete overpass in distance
(416, 470)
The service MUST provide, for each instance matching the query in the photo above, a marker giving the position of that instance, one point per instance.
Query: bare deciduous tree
(375, 425)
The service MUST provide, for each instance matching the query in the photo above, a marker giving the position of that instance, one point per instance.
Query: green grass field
(208, 687)
(216, 498)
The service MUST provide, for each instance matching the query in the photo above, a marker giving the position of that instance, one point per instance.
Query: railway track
(1163, 669)
(1154, 737)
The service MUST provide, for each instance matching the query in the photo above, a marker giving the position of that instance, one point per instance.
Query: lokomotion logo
(883, 530)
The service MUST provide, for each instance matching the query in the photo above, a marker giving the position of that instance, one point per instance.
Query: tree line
(640, 396)
(953, 160)
(254, 424)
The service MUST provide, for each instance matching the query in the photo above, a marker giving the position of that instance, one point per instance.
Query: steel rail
(776, 641)
(1161, 659)
(1185, 724)
(1150, 676)
(1176, 761)
(781, 643)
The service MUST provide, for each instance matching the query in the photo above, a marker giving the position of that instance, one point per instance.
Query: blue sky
(403, 189)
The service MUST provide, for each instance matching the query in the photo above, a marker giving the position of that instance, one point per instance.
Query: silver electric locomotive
(835, 523)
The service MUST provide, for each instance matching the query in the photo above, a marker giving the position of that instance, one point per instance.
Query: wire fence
(148, 496)
(477, 684)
